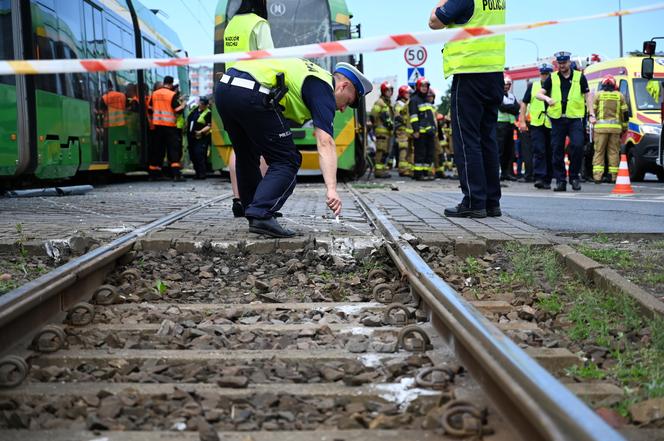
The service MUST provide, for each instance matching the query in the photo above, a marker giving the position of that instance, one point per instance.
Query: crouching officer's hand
(334, 202)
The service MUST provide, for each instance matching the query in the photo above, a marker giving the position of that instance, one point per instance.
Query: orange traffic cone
(623, 184)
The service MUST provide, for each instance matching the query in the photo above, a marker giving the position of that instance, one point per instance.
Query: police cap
(362, 85)
(562, 56)
(545, 68)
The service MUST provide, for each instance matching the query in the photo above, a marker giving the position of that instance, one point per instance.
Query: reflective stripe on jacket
(163, 113)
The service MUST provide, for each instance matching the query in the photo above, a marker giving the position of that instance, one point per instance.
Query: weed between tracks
(607, 330)
(20, 267)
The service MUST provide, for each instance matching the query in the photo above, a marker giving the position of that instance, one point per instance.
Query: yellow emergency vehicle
(644, 101)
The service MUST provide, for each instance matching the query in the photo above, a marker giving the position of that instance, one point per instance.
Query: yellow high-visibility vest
(478, 55)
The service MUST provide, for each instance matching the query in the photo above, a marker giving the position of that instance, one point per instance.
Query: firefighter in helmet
(403, 131)
(423, 121)
(612, 116)
(382, 119)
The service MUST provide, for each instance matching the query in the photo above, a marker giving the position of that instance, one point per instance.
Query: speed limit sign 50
(415, 56)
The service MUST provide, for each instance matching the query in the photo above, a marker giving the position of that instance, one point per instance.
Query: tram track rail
(526, 395)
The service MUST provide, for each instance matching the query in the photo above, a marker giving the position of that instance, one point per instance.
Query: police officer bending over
(258, 101)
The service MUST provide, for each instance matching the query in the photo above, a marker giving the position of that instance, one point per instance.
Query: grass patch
(635, 343)
(589, 371)
(652, 278)
(619, 258)
(601, 238)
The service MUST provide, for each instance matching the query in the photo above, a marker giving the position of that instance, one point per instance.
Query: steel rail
(528, 396)
(25, 309)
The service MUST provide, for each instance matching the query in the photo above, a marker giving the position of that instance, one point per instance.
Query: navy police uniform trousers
(475, 101)
(542, 155)
(256, 128)
(561, 129)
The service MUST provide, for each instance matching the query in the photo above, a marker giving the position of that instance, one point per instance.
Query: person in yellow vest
(567, 95)
(114, 104)
(540, 130)
(382, 119)
(165, 105)
(403, 131)
(199, 124)
(477, 91)
(508, 112)
(440, 158)
(248, 30)
(259, 101)
(612, 117)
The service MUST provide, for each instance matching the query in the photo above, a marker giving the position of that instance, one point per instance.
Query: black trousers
(165, 141)
(198, 151)
(424, 148)
(258, 130)
(475, 101)
(526, 154)
(505, 137)
(560, 129)
(542, 153)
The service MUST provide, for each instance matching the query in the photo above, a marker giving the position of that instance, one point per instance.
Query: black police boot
(560, 186)
(238, 209)
(494, 212)
(269, 227)
(461, 211)
(576, 185)
(541, 185)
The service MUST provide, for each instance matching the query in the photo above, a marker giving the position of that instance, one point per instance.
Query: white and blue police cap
(545, 68)
(562, 56)
(362, 85)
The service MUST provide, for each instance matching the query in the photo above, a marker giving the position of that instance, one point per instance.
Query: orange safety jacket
(163, 113)
(116, 104)
(148, 113)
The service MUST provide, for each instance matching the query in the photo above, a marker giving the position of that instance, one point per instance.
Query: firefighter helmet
(384, 87)
(420, 81)
(508, 79)
(609, 81)
(403, 91)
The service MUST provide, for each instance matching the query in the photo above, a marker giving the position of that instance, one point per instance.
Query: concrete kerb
(608, 279)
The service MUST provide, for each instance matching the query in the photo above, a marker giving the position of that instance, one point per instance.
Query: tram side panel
(8, 111)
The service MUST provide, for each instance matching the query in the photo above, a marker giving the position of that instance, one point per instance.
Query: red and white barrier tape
(318, 50)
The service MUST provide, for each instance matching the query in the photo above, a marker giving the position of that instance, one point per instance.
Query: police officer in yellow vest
(248, 30)
(612, 117)
(258, 102)
(477, 90)
(382, 118)
(199, 124)
(567, 95)
(540, 130)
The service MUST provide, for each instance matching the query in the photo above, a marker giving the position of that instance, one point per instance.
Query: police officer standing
(540, 130)
(403, 131)
(508, 111)
(612, 116)
(382, 119)
(477, 91)
(165, 104)
(258, 102)
(199, 124)
(567, 95)
(423, 122)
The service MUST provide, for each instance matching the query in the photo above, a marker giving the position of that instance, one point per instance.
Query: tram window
(71, 45)
(6, 43)
(45, 25)
(113, 33)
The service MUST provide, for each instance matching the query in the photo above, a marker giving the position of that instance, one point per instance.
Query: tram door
(97, 81)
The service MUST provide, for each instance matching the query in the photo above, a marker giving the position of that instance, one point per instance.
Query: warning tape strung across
(318, 50)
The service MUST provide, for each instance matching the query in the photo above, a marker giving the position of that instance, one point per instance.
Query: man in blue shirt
(477, 91)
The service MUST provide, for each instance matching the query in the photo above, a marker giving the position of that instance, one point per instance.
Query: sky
(194, 22)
